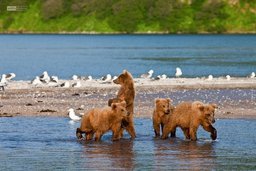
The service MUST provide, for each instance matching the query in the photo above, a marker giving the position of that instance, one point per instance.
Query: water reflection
(109, 155)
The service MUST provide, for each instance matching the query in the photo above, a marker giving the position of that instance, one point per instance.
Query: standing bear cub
(161, 114)
(99, 121)
(188, 116)
(126, 93)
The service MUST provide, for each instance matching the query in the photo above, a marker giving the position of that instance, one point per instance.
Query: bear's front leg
(98, 135)
(156, 129)
(79, 134)
(192, 134)
(186, 132)
(212, 130)
(116, 132)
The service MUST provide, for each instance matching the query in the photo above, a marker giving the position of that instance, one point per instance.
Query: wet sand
(236, 98)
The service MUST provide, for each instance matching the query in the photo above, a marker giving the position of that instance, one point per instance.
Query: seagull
(65, 84)
(54, 79)
(10, 76)
(147, 75)
(74, 77)
(77, 84)
(3, 79)
(72, 115)
(228, 77)
(36, 81)
(252, 75)
(106, 78)
(45, 77)
(2, 85)
(210, 77)
(163, 76)
(87, 78)
(115, 77)
(178, 72)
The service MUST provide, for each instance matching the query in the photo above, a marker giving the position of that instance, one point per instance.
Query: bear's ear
(201, 107)
(113, 106)
(214, 105)
(157, 100)
(123, 103)
(124, 71)
(169, 100)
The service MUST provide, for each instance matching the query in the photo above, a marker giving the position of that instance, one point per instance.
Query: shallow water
(97, 55)
(47, 143)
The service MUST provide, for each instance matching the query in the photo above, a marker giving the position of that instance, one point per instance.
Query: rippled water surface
(49, 143)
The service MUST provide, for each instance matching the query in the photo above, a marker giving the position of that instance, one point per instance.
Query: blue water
(49, 143)
(97, 55)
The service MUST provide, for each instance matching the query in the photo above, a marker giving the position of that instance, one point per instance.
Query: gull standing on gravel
(178, 72)
(72, 115)
(77, 84)
(65, 84)
(10, 76)
(210, 78)
(3, 79)
(36, 81)
(252, 75)
(107, 78)
(228, 77)
(45, 77)
(147, 75)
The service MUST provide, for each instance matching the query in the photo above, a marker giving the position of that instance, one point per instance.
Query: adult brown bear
(126, 93)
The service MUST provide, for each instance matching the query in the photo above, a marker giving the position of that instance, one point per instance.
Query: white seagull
(77, 84)
(45, 77)
(3, 79)
(36, 81)
(178, 72)
(228, 77)
(107, 78)
(210, 78)
(54, 79)
(72, 115)
(65, 84)
(147, 75)
(10, 76)
(252, 75)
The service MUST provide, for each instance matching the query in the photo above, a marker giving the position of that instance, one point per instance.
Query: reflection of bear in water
(99, 121)
(109, 156)
(186, 155)
(188, 116)
(126, 93)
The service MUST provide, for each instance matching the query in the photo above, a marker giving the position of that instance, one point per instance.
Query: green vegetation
(129, 16)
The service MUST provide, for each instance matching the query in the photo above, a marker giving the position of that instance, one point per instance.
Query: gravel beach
(236, 98)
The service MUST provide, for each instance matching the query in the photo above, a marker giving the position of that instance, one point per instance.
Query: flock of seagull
(45, 79)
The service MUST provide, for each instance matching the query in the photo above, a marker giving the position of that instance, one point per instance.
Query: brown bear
(161, 113)
(99, 121)
(126, 93)
(188, 116)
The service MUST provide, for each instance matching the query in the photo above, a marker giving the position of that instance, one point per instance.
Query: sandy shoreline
(236, 98)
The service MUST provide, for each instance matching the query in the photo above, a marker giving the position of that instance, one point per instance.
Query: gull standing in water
(72, 115)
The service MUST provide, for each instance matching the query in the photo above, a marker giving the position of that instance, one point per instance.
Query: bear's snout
(167, 111)
(213, 120)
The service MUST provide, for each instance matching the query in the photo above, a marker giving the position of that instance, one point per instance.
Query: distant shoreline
(123, 33)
